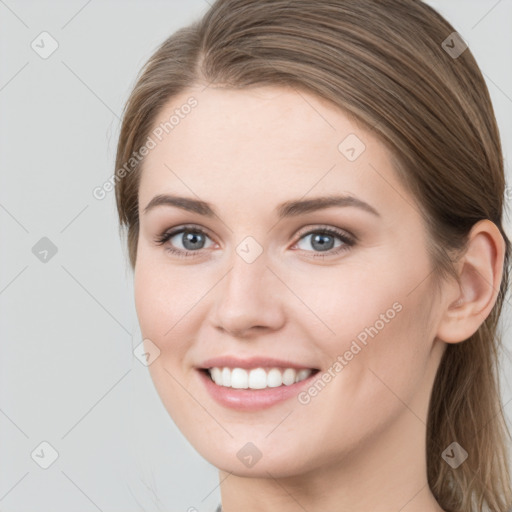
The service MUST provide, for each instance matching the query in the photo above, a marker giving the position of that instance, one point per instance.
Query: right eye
(191, 238)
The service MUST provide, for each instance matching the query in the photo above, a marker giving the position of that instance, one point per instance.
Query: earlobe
(480, 273)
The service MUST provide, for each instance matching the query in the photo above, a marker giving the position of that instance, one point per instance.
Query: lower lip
(252, 399)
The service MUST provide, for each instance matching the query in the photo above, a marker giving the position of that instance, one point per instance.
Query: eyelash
(348, 241)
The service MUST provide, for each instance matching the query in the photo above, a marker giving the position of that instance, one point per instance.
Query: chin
(242, 456)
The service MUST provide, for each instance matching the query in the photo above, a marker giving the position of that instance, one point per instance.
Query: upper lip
(252, 362)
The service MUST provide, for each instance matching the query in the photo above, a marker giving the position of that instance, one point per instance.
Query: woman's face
(263, 285)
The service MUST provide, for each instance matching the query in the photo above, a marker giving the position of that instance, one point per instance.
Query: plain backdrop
(67, 317)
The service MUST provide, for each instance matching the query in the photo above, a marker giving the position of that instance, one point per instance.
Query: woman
(313, 196)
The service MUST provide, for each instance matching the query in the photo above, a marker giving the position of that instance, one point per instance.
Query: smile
(257, 378)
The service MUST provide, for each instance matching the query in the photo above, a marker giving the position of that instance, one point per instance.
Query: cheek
(380, 333)
(380, 299)
(147, 299)
(169, 307)
(163, 320)
(395, 364)
(163, 293)
(377, 374)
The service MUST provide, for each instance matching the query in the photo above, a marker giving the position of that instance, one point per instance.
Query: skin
(359, 444)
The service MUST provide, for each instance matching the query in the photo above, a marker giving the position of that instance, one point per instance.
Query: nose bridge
(246, 276)
(247, 263)
(247, 297)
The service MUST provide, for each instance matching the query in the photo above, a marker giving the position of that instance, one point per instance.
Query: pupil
(321, 240)
(193, 239)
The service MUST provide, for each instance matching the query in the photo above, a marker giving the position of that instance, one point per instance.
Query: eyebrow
(286, 209)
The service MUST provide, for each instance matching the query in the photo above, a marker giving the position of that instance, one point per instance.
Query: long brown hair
(388, 63)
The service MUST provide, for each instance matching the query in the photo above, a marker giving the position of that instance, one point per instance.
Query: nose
(249, 299)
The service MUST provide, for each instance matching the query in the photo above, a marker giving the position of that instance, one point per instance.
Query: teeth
(274, 378)
(257, 378)
(225, 377)
(239, 378)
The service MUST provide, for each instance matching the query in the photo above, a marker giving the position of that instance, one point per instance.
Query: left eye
(193, 240)
(324, 239)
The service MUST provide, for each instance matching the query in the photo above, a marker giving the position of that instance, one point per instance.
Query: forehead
(265, 142)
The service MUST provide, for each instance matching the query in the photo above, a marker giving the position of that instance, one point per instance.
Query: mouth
(257, 378)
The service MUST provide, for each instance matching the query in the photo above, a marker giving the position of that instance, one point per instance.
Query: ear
(480, 270)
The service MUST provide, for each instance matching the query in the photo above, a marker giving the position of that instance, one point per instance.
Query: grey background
(68, 326)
